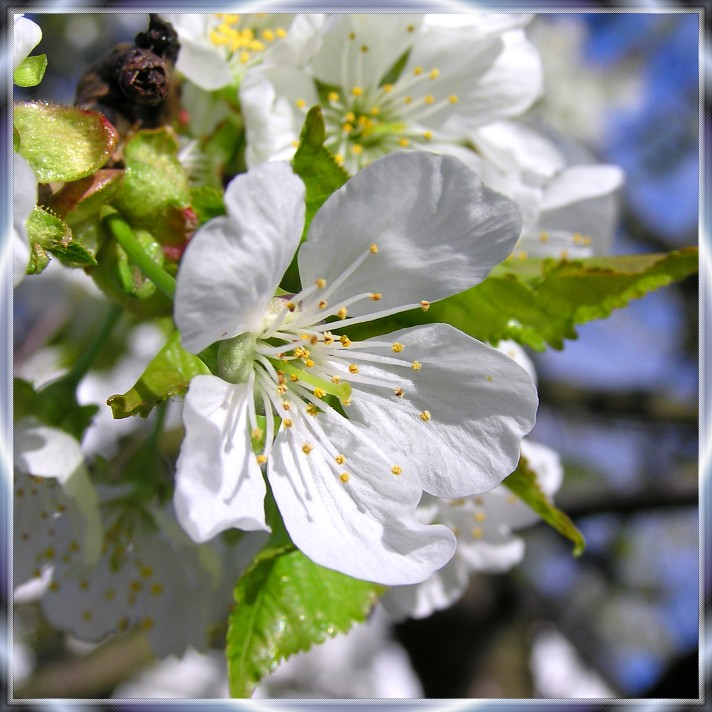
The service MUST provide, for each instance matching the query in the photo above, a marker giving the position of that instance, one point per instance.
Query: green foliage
(31, 71)
(155, 194)
(316, 166)
(524, 484)
(207, 203)
(538, 302)
(49, 233)
(55, 404)
(285, 603)
(168, 374)
(63, 143)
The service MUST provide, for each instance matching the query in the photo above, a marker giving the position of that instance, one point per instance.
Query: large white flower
(23, 203)
(486, 543)
(569, 210)
(217, 49)
(427, 407)
(454, 80)
(26, 36)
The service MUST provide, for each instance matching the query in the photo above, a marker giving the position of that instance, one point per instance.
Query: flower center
(241, 43)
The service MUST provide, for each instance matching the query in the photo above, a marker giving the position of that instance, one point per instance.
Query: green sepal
(168, 374)
(207, 203)
(47, 232)
(31, 71)
(63, 143)
(523, 483)
(284, 604)
(55, 404)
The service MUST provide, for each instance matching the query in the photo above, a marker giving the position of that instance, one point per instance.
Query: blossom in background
(454, 80)
(217, 49)
(26, 36)
(428, 407)
(55, 514)
(486, 543)
(23, 203)
(569, 210)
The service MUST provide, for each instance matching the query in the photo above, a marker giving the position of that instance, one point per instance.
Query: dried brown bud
(143, 76)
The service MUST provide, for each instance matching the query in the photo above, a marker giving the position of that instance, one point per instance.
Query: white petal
(300, 44)
(27, 36)
(546, 463)
(23, 203)
(203, 65)
(499, 552)
(580, 183)
(218, 482)
(341, 60)
(364, 527)
(273, 120)
(235, 262)
(519, 355)
(481, 404)
(43, 451)
(486, 23)
(438, 232)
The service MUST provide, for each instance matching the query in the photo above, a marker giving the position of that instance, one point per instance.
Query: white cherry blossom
(454, 80)
(428, 407)
(26, 36)
(23, 203)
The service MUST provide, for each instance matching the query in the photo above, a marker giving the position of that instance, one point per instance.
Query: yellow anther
(146, 624)
(387, 88)
(339, 159)
(333, 96)
(257, 46)
(157, 589)
(321, 283)
(309, 363)
(300, 103)
(424, 305)
(418, 71)
(342, 313)
(522, 254)
(397, 347)
(340, 459)
(398, 391)
(410, 28)
(320, 393)
(109, 594)
(281, 33)
(357, 149)
(352, 35)
(268, 35)
(425, 416)
(353, 368)
(336, 379)
(328, 338)
(543, 236)
(407, 99)
(281, 389)
(312, 409)
(344, 476)
(286, 405)
(293, 377)
(374, 111)
(364, 48)
(429, 99)
(261, 459)
(135, 586)
(350, 117)
(87, 616)
(453, 99)
(375, 296)
(287, 422)
(434, 73)
(416, 365)
(357, 91)
(344, 341)
(373, 249)
(489, 379)
(244, 57)
(396, 469)
(307, 448)
(427, 135)
(84, 584)
(347, 128)
(295, 143)
(49, 553)
(476, 532)
(146, 571)
(323, 304)
(403, 141)
(564, 254)
(257, 433)
(480, 516)
(291, 306)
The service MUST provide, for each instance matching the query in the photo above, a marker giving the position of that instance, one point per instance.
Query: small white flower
(23, 203)
(427, 407)
(486, 543)
(26, 37)
(569, 211)
(217, 49)
(55, 510)
(454, 80)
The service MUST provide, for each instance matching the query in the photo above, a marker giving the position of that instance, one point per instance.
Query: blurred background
(620, 404)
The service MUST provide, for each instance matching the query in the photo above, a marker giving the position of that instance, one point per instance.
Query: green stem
(88, 355)
(123, 234)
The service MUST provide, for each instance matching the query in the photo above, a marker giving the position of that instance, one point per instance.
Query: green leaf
(523, 483)
(539, 302)
(285, 603)
(154, 194)
(316, 165)
(63, 143)
(168, 374)
(31, 71)
(49, 233)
